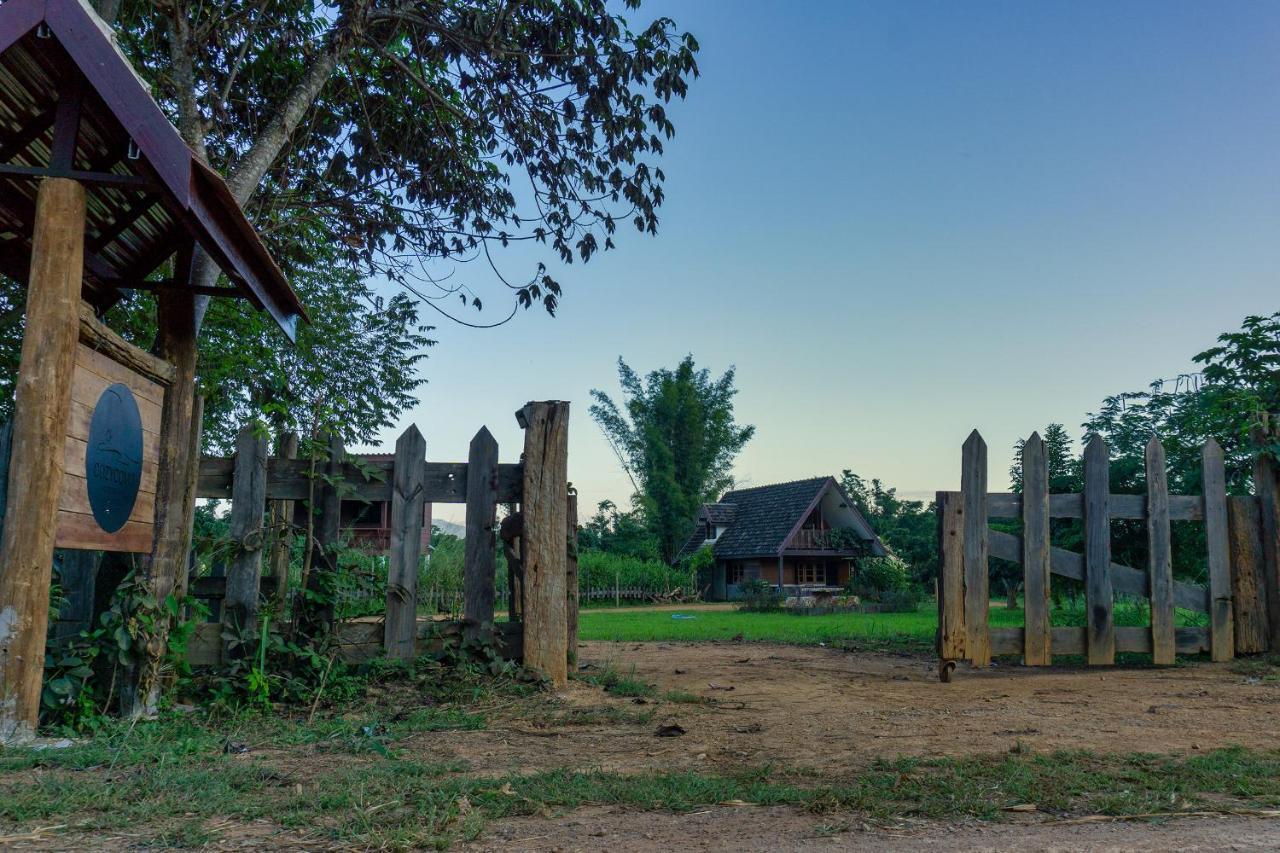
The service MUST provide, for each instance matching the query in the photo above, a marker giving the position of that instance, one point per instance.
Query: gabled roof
(762, 519)
(147, 192)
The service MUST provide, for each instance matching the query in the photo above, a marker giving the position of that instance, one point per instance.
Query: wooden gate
(1240, 539)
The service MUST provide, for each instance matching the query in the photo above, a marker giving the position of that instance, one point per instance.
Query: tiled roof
(764, 516)
(719, 513)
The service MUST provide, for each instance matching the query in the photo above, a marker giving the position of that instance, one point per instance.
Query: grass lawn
(911, 632)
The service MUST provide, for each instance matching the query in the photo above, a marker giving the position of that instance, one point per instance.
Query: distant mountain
(452, 528)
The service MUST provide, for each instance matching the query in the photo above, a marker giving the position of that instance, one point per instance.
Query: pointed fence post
(400, 629)
(1164, 647)
(248, 504)
(1099, 595)
(977, 597)
(1037, 646)
(542, 545)
(42, 404)
(481, 558)
(1216, 536)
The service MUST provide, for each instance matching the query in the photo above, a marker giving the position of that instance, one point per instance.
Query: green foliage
(907, 528)
(881, 574)
(759, 596)
(677, 441)
(603, 570)
(618, 532)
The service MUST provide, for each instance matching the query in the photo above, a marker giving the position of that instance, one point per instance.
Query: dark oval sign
(113, 459)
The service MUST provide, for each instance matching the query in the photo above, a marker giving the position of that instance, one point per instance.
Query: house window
(737, 573)
(712, 532)
(812, 574)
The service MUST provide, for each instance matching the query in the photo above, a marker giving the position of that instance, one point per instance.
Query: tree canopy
(676, 438)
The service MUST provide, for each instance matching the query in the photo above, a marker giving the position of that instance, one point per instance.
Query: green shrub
(759, 596)
(602, 570)
(881, 574)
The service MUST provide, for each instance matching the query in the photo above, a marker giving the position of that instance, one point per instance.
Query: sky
(904, 220)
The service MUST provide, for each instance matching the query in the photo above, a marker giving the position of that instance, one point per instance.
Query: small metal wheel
(945, 668)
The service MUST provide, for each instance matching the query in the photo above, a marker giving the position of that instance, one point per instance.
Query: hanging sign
(113, 457)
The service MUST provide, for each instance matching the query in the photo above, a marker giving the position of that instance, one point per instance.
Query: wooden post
(1216, 536)
(542, 546)
(282, 528)
(42, 403)
(248, 504)
(977, 598)
(1248, 588)
(1159, 556)
(193, 478)
(1099, 596)
(1037, 644)
(951, 630)
(400, 631)
(480, 559)
(319, 613)
(1266, 485)
(571, 583)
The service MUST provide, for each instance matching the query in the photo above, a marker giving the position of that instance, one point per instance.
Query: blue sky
(904, 220)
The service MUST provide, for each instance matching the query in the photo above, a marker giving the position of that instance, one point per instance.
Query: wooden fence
(1239, 598)
(259, 486)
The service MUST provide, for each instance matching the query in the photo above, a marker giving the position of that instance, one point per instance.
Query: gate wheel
(945, 668)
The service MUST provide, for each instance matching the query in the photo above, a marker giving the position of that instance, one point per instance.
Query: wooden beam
(442, 482)
(1159, 556)
(248, 506)
(1218, 552)
(100, 179)
(1099, 598)
(29, 133)
(1035, 553)
(407, 508)
(542, 546)
(42, 404)
(480, 563)
(977, 597)
(98, 336)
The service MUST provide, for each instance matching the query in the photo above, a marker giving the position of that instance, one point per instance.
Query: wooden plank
(281, 512)
(42, 402)
(74, 454)
(1159, 555)
(1124, 579)
(80, 531)
(1181, 507)
(480, 564)
(1217, 545)
(244, 571)
(96, 371)
(406, 544)
(1129, 640)
(1099, 597)
(571, 582)
(973, 488)
(75, 498)
(82, 416)
(951, 630)
(1266, 486)
(1248, 587)
(1035, 552)
(443, 482)
(542, 547)
(97, 336)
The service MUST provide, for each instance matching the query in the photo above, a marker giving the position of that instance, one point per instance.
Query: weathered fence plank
(542, 544)
(973, 486)
(1073, 641)
(1035, 553)
(407, 508)
(951, 629)
(1266, 485)
(42, 404)
(1248, 588)
(1216, 537)
(1159, 556)
(282, 527)
(1099, 596)
(287, 479)
(1181, 507)
(571, 582)
(248, 504)
(481, 559)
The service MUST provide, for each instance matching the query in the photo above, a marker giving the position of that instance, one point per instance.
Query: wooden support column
(1037, 643)
(481, 560)
(1099, 595)
(1159, 556)
(42, 403)
(977, 597)
(571, 583)
(542, 546)
(1217, 543)
(248, 506)
(282, 528)
(400, 629)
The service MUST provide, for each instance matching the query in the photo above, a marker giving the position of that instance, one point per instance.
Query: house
(369, 522)
(807, 531)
